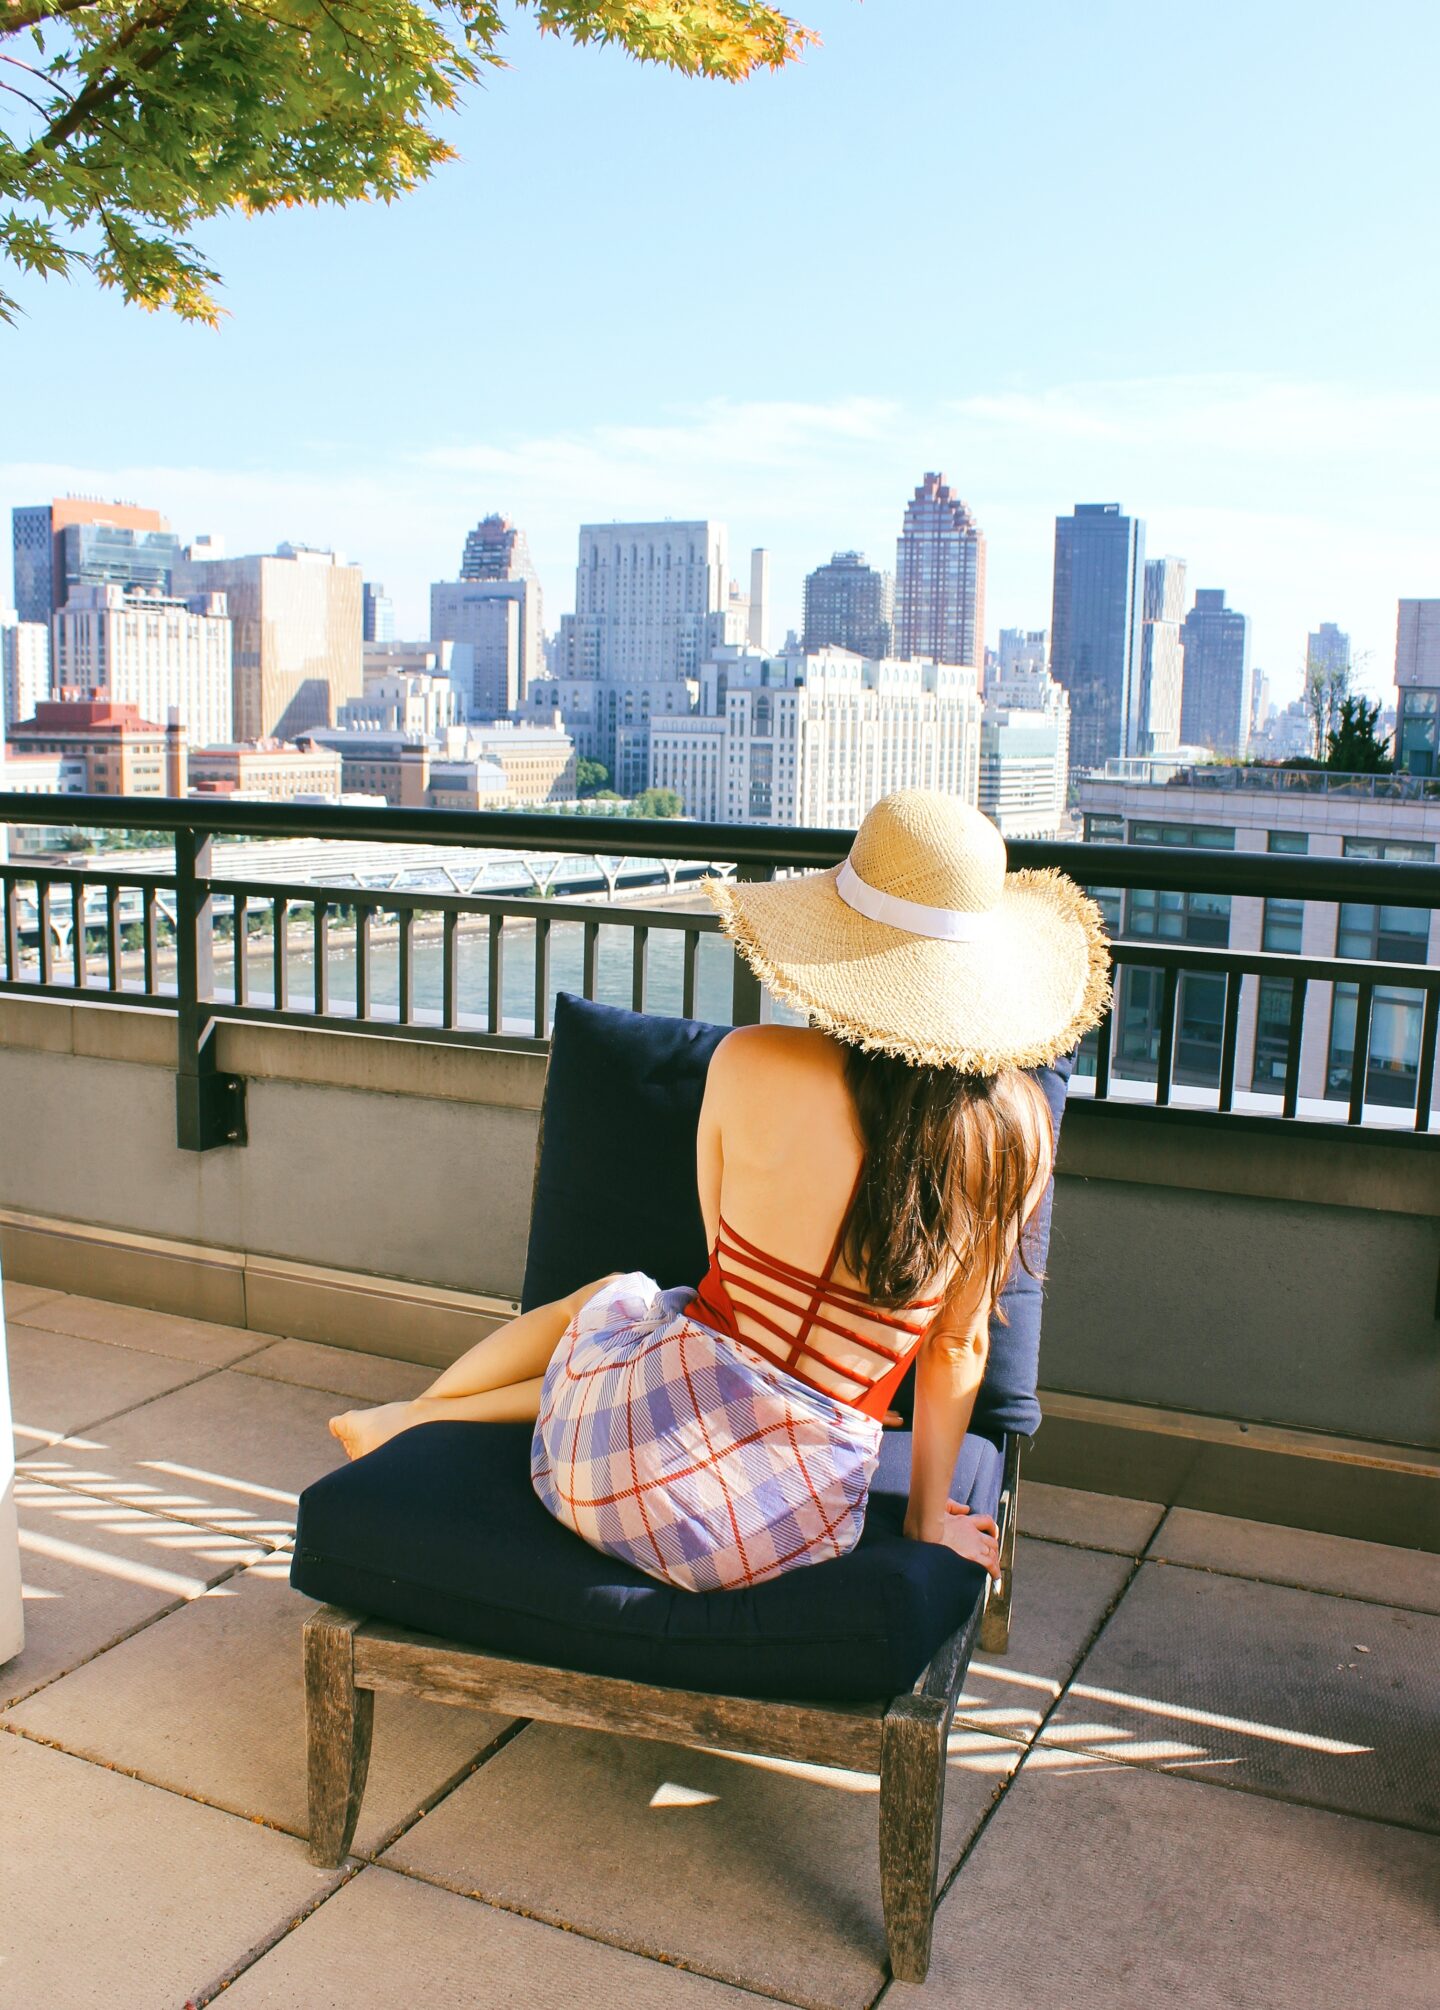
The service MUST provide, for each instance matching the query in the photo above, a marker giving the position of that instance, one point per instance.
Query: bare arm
(951, 1368)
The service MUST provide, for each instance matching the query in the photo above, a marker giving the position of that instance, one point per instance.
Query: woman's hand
(973, 1536)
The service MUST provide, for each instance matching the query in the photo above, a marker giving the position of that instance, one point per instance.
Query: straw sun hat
(920, 944)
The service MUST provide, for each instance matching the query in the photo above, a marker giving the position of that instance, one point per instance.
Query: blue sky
(1182, 259)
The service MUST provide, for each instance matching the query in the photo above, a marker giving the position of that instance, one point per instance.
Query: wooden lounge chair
(443, 1577)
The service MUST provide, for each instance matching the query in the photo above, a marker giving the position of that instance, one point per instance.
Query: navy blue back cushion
(616, 1183)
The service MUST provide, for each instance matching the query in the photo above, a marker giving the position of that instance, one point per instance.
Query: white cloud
(1306, 502)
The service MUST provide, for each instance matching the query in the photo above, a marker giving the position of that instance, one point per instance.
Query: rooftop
(1209, 1754)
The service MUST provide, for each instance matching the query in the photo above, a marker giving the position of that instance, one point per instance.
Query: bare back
(779, 1155)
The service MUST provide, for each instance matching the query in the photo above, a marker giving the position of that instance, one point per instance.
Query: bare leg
(496, 1381)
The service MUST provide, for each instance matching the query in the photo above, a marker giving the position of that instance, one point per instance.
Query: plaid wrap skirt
(685, 1453)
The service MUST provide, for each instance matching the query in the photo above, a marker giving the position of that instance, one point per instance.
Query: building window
(1396, 851)
(1296, 843)
(1379, 935)
(1189, 837)
(1284, 921)
(1272, 1032)
(1104, 829)
(1180, 917)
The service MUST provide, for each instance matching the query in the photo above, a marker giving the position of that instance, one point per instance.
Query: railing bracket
(209, 1111)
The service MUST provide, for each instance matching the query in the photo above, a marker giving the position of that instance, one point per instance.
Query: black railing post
(209, 1106)
(747, 996)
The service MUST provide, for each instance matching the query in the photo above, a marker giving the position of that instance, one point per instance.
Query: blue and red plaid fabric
(688, 1455)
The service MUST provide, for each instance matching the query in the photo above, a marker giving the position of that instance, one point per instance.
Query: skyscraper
(1095, 626)
(652, 601)
(496, 549)
(940, 579)
(377, 620)
(1216, 708)
(758, 622)
(1156, 726)
(1327, 648)
(296, 616)
(78, 540)
(494, 608)
(849, 605)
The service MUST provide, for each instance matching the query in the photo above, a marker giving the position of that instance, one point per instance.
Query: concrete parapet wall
(383, 1201)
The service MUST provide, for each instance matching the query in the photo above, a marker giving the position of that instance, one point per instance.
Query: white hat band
(944, 924)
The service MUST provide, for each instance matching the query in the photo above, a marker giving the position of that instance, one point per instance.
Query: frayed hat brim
(1035, 983)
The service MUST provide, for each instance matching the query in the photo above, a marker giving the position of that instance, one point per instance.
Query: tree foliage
(659, 803)
(126, 123)
(1355, 746)
(590, 776)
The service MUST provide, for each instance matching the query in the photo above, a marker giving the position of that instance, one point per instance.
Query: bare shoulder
(750, 1052)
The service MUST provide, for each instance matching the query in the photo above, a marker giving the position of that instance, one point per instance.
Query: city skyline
(1278, 604)
(1288, 454)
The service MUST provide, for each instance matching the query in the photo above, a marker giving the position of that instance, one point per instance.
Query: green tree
(658, 803)
(590, 776)
(1354, 746)
(125, 123)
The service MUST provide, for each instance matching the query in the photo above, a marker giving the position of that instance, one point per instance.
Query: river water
(664, 982)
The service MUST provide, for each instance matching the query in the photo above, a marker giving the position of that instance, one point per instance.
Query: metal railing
(160, 940)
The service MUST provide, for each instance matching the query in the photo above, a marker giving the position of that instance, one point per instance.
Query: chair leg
(995, 1625)
(912, 1801)
(338, 1719)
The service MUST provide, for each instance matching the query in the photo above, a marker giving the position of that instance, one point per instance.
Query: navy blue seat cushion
(440, 1530)
(616, 1184)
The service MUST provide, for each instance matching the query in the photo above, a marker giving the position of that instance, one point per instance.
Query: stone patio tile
(364, 1378)
(1101, 1887)
(386, 1940)
(231, 1451)
(209, 1701)
(151, 1332)
(19, 1298)
(1351, 1569)
(1291, 1693)
(1061, 1596)
(118, 1895)
(93, 1571)
(59, 1384)
(760, 1873)
(1097, 1521)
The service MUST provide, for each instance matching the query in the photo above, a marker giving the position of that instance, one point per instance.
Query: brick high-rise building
(80, 541)
(940, 579)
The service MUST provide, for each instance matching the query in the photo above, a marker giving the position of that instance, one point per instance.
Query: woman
(864, 1182)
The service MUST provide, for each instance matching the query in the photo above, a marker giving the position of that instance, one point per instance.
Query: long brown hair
(949, 1163)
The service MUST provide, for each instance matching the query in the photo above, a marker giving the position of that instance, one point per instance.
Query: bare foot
(361, 1431)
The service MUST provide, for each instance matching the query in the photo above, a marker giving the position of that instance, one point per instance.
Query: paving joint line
(345, 1874)
(599, 1939)
(1294, 1584)
(125, 1409)
(273, 1545)
(118, 1640)
(506, 1735)
(1029, 1744)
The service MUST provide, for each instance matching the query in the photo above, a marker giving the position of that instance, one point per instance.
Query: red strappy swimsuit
(738, 1266)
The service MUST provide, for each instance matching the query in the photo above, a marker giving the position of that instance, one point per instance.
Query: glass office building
(1096, 627)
